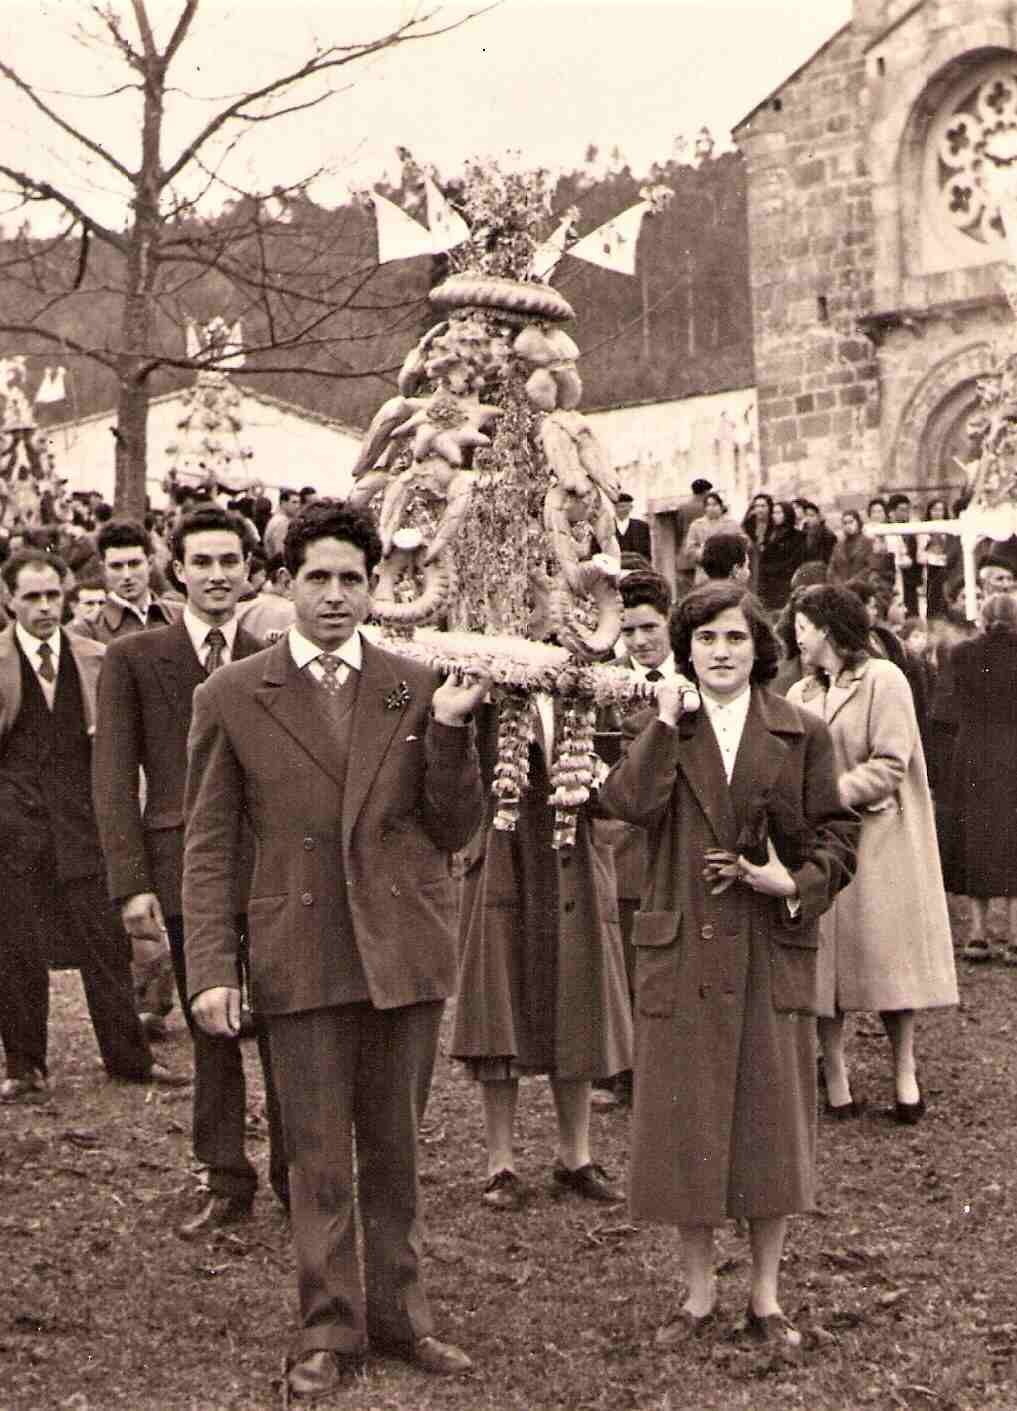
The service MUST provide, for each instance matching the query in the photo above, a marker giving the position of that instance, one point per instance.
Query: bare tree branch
(43, 191)
(30, 93)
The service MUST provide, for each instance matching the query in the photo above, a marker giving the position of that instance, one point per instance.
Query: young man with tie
(50, 858)
(358, 774)
(145, 691)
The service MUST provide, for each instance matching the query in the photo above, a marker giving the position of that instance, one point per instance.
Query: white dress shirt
(728, 720)
(307, 656)
(198, 632)
(30, 646)
(667, 668)
(140, 610)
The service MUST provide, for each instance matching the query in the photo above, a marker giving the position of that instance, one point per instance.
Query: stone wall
(812, 258)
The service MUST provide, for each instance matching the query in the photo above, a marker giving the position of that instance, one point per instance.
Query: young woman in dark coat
(782, 552)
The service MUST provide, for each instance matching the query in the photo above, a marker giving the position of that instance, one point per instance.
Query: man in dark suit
(633, 534)
(50, 859)
(145, 690)
(359, 779)
(125, 551)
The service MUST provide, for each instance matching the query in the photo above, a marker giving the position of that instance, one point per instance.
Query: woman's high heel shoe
(908, 1114)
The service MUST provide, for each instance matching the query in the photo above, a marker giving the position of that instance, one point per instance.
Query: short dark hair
(808, 573)
(287, 492)
(332, 519)
(722, 553)
(30, 558)
(995, 561)
(632, 562)
(864, 588)
(308, 492)
(714, 495)
(841, 613)
(648, 589)
(122, 534)
(274, 567)
(84, 585)
(705, 603)
(208, 518)
(876, 500)
(809, 505)
(895, 501)
(102, 513)
(700, 486)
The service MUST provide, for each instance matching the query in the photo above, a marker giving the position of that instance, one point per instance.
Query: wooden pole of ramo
(968, 530)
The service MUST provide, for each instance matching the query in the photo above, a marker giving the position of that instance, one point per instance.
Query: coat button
(307, 898)
(707, 932)
(394, 889)
(308, 844)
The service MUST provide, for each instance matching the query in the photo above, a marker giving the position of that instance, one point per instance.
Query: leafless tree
(286, 279)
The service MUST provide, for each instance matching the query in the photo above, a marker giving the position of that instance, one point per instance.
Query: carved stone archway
(933, 426)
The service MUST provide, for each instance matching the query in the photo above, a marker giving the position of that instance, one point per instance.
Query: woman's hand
(671, 698)
(772, 879)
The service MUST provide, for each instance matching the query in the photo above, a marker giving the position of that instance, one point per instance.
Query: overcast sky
(542, 77)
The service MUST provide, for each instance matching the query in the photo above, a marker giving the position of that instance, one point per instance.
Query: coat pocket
(794, 955)
(656, 936)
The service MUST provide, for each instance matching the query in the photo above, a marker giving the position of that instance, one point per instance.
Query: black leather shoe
(683, 1327)
(319, 1374)
(217, 1212)
(504, 1191)
(442, 1359)
(30, 1087)
(908, 1114)
(589, 1181)
(845, 1111)
(774, 1328)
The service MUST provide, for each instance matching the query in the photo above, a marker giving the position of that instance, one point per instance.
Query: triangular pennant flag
(613, 245)
(400, 237)
(546, 256)
(448, 229)
(53, 387)
(235, 347)
(193, 344)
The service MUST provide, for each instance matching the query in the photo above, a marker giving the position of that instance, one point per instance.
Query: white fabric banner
(546, 256)
(400, 237)
(448, 229)
(613, 245)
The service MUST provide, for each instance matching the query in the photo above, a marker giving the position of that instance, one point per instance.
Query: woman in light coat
(725, 1074)
(886, 940)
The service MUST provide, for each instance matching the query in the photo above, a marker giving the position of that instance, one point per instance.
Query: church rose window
(973, 141)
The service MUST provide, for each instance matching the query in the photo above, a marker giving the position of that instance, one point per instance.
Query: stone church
(875, 250)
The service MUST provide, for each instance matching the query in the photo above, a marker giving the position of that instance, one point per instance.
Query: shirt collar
(198, 631)
(734, 712)
(666, 668)
(303, 650)
(140, 612)
(30, 645)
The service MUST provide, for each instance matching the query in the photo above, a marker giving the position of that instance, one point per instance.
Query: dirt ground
(904, 1281)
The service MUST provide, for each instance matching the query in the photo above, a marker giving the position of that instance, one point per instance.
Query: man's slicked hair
(211, 519)
(122, 534)
(331, 519)
(31, 558)
(649, 589)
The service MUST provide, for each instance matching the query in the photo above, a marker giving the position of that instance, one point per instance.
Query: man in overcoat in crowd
(359, 775)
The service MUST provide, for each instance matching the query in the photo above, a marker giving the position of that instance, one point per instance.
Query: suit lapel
(374, 726)
(289, 697)
(178, 668)
(842, 694)
(699, 759)
(760, 758)
(10, 679)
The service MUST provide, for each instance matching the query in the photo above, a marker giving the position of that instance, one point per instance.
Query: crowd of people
(210, 769)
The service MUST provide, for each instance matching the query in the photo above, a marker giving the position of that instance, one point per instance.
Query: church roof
(790, 78)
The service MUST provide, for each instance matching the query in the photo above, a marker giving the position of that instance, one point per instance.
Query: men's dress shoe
(164, 1077)
(443, 1359)
(28, 1088)
(845, 1111)
(504, 1191)
(684, 1326)
(908, 1114)
(590, 1181)
(319, 1374)
(217, 1212)
(775, 1328)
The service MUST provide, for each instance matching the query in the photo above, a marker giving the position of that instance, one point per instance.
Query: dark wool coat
(977, 798)
(542, 979)
(782, 553)
(725, 1086)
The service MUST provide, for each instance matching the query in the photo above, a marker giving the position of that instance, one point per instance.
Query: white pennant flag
(400, 237)
(613, 245)
(53, 387)
(193, 342)
(547, 255)
(448, 229)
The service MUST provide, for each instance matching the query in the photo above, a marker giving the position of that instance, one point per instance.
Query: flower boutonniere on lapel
(398, 698)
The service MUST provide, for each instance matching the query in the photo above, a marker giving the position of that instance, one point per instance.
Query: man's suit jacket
(412, 795)
(684, 514)
(144, 715)
(636, 538)
(87, 655)
(115, 621)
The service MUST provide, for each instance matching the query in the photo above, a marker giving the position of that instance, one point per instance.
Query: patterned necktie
(654, 675)
(46, 668)
(331, 665)
(216, 644)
